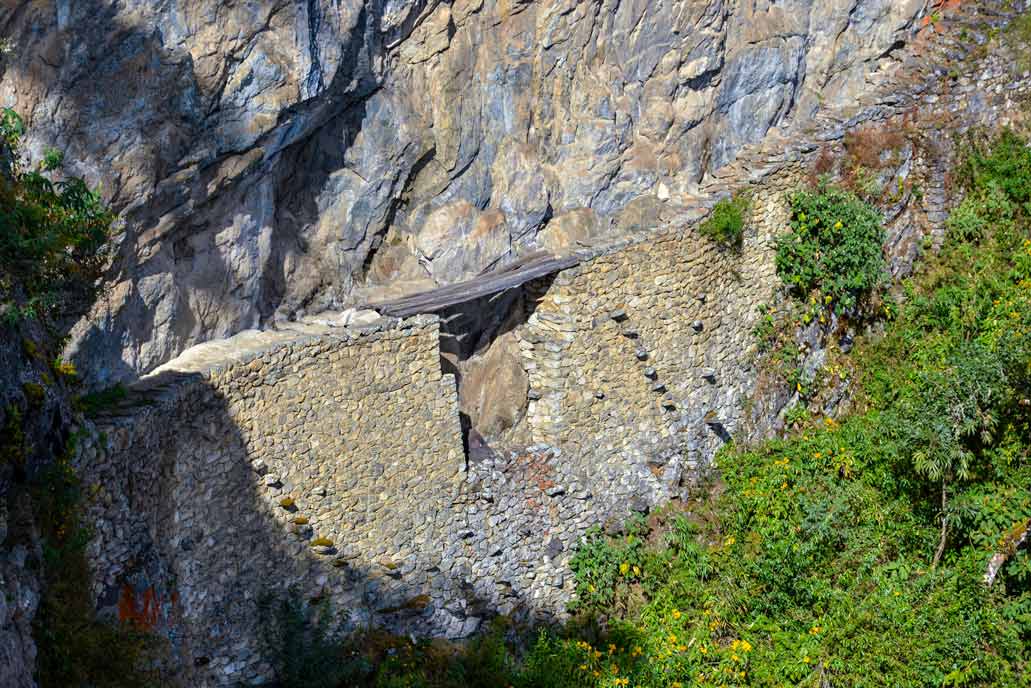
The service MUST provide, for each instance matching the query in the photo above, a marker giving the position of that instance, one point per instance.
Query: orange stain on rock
(141, 612)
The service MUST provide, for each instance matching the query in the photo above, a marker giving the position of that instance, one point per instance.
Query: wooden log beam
(510, 276)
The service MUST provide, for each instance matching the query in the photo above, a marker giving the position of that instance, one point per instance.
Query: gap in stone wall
(479, 347)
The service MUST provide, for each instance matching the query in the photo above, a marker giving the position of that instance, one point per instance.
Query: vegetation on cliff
(833, 246)
(881, 550)
(726, 223)
(52, 232)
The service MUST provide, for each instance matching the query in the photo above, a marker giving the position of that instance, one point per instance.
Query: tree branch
(941, 543)
(1010, 542)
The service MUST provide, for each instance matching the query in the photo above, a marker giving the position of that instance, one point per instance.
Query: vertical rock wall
(272, 157)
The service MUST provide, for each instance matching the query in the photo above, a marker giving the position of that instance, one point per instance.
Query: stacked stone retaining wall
(325, 461)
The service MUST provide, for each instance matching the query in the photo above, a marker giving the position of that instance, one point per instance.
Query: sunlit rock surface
(263, 153)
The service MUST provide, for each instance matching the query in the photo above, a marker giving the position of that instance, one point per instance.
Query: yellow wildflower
(624, 567)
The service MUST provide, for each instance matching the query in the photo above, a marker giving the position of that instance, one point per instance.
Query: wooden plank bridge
(529, 267)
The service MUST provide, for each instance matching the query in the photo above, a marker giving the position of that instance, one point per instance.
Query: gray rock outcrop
(270, 158)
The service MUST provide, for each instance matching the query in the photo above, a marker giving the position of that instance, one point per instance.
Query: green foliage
(966, 223)
(75, 648)
(52, 233)
(798, 413)
(1018, 38)
(726, 223)
(13, 446)
(101, 400)
(833, 248)
(603, 567)
(1003, 163)
(304, 645)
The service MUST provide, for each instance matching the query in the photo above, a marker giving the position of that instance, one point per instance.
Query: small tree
(947, 413)
(52, 233)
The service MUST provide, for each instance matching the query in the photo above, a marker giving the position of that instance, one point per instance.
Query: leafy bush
(304, 645)
(74, 647)
(101, 400)
(966, 223)
(602, 565)
(52, 233)
(833, 248)
(726, 223)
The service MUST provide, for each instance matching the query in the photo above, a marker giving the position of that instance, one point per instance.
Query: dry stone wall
(304, 460)
(639, 358)
(328, 462)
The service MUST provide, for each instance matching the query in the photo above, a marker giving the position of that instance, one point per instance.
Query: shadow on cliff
(174, 154)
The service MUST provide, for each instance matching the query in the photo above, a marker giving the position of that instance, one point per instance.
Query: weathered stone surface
(457, 241)
(566, 232)
(493, 387)
(260, 153)
(358, 429)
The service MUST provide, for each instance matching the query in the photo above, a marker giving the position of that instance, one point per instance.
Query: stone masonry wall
(299, 459)
(639, 359)
(328, 462)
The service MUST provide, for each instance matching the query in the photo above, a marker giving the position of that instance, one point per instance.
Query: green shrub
(965, 223)
(305, 646)
(74, 647)
(101, 400)
(602, 566)
(726, 223)
(1005, 162)
(834, 246)
(52, 233)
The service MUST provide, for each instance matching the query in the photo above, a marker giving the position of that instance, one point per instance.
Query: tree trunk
(945, 531)
(1010, 542)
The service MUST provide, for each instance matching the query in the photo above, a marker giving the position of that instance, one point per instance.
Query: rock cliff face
(274, 157)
